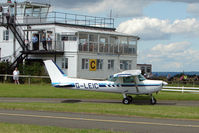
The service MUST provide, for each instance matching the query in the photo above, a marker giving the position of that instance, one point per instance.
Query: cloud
(156, 29)
(172, 57)
(193, 9)
(184, 1)
(120, 8)
(146, 28)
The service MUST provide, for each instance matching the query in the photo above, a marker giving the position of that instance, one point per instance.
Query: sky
(168, 29)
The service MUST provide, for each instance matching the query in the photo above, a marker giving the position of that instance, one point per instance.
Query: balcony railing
(65, 18)
(55, 46)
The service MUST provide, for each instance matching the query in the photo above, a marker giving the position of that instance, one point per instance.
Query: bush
(5, 68)
(32, 68)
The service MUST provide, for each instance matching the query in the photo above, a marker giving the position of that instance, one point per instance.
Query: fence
(5, 78)
(181, 89)
(184, 83)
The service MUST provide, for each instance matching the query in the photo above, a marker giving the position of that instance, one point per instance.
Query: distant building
(83, 46)
(146, 69)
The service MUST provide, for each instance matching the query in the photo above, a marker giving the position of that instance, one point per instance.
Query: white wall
(72, 64)
(104, 73)
(7, 45)
(70, 46)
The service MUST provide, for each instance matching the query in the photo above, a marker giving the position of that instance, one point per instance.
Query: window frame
(65, 63)
(5, 35)
(111, 64)
(85, 63)
(100, 64)
(125, 64)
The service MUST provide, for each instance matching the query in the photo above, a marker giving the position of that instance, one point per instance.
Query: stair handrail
(19, 30)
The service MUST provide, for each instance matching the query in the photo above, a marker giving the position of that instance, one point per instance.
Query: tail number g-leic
(87, 85)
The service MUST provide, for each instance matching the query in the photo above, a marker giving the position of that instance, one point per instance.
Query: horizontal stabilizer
(64, 85)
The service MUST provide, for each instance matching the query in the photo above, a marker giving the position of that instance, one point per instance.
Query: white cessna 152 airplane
(127, 83)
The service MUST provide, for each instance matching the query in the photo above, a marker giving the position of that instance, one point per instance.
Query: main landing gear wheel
(130, 98)
(126, 101)
(153, 101)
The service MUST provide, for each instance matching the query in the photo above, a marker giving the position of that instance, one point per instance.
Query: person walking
(43, 40)
(49, 41)
(16, 76)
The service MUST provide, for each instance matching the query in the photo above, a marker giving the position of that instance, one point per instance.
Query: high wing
(128, 73)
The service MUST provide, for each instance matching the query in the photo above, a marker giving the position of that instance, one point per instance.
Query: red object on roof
(9, 1)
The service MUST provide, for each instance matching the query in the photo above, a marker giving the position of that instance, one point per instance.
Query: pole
(14, 39)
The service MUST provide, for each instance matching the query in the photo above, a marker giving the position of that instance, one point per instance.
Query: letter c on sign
(92, 64)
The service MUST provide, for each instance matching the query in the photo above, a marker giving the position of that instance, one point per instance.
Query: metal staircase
(20, 36)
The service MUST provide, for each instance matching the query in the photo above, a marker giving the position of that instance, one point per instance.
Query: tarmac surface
(64, 100)
(106, 122)
(93, 121)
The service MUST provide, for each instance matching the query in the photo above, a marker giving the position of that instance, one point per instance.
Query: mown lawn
(47, 91)
(21, 128)
(157, 111)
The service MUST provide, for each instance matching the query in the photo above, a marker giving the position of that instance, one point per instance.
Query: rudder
(55, 73)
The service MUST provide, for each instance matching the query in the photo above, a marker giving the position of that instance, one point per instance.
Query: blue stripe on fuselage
(102, 84)
(106, 85)
(139, 85)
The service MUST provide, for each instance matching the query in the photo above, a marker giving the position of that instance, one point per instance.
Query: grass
(21, 128)
(46, 91)
(156, 111)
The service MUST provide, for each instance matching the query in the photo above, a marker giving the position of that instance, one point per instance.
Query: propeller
(164, 83)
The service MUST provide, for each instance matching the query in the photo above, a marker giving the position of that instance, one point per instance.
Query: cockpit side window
(141, 77)
(128, 79)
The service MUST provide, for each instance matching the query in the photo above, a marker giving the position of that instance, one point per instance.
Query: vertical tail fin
(55, 73)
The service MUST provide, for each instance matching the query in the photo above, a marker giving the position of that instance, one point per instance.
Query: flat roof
(102, 32)
(27, 3)
(93, 30)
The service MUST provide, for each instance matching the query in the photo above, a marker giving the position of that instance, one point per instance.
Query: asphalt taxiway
(92, 121)
(64, 100)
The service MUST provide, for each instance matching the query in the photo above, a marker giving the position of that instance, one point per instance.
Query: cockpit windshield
(112, 78)
(141, 77)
